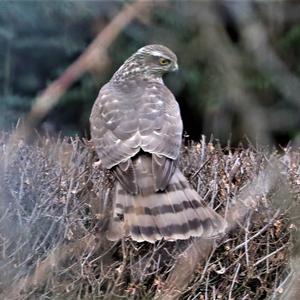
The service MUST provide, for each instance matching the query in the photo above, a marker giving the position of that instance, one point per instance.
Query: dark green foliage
(39, 40)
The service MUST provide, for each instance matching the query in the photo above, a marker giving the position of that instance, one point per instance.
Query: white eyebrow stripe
(159, 54)
(153, 52)
(156, 53)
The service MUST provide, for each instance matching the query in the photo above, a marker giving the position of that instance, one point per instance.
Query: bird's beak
(175, 67)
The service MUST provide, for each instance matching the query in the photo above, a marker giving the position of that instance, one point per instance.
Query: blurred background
(239, 63)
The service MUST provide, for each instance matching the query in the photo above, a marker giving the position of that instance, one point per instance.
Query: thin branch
(96, 52)
(234, 280)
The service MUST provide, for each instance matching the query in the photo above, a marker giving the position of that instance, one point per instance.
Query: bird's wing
(161, 132)
(114, 127)
(144, 117)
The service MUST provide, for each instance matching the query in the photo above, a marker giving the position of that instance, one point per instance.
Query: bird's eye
(164, 61)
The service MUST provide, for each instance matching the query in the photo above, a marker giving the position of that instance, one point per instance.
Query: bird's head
(157, 58)
(149, 62)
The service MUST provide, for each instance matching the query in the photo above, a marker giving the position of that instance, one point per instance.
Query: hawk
(136, 128)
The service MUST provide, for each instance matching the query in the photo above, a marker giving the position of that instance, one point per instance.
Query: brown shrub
(55, 202)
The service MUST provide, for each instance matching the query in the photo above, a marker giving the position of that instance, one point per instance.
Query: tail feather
(176, 213)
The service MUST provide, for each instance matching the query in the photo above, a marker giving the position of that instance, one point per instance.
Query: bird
(136, 129)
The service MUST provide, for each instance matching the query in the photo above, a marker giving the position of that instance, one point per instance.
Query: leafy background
(40, 39)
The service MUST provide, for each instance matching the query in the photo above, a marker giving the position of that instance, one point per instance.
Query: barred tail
(174, 214)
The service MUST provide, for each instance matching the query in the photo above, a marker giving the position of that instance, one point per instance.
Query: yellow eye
(164, 61)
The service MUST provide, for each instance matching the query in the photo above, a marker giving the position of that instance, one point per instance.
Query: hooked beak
(175, 67)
